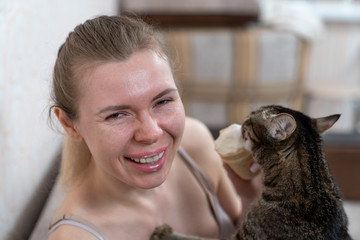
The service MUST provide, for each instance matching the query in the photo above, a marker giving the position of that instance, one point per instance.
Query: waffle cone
(230, 148)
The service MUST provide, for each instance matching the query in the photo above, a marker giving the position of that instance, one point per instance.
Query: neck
(104, 188)
(298, 169)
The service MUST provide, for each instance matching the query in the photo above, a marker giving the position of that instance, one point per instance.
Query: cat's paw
(162, 232)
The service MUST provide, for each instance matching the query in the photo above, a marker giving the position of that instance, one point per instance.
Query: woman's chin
(150, 182)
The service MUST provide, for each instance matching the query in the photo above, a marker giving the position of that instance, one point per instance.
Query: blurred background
(231, 56)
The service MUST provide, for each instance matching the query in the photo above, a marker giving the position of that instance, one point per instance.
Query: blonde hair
(99, 40)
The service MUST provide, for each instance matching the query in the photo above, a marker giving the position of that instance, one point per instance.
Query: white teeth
(148, 159)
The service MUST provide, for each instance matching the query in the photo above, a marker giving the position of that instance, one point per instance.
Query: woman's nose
(148, 130)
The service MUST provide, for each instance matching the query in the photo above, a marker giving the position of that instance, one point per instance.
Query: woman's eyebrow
(122, 107)
(113, 108)
(166, 91)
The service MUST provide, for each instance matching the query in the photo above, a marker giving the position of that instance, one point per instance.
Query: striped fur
(300, 199)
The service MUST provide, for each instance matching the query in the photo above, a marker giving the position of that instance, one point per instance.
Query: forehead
(131, 82)
(265, 113)
(142, 67)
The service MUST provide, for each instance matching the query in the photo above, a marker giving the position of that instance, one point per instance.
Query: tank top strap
(68, 219)
(225, 223)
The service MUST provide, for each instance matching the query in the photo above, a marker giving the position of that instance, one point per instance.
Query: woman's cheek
(175, 121)
(113, 140)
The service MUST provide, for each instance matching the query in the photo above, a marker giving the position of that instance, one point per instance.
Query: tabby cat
(300, 199)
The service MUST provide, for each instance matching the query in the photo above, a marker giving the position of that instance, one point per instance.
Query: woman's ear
(68, 125)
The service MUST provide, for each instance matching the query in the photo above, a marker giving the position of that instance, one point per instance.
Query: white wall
(333, 80)
(31, 32)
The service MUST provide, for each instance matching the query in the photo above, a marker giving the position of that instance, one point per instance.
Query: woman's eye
(114, 116)
(163, 101)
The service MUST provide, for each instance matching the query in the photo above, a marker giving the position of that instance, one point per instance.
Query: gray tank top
(225, 223)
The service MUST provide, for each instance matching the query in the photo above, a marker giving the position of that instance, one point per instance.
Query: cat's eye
(244, 134)
(245, 137)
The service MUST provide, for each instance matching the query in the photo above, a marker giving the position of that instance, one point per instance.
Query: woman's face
(132, 119)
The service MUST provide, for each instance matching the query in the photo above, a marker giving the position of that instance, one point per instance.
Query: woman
(132, 159)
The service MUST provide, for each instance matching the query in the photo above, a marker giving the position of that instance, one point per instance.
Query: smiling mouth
(148, 160)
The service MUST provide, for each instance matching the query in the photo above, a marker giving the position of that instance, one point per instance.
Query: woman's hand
(248, 190)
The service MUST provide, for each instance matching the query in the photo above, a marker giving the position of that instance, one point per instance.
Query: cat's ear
(282, 126)
(324, 123)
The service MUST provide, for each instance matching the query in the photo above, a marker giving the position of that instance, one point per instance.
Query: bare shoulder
(199, 144)
(102, 219)
(71, 232)
(196, 136)
(72, 218)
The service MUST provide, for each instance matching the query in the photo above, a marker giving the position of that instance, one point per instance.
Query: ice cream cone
(229, 145)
